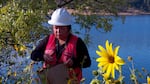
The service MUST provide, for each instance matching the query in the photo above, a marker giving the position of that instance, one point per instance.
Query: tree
(21, 21)
(143, 5)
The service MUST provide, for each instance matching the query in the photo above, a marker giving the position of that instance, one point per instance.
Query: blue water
(133, 37)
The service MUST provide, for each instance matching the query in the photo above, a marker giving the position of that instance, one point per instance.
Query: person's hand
(48, 55)
(48, 58)
(69, 62)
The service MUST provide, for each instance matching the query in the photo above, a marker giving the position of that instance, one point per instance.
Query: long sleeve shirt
(83, 60)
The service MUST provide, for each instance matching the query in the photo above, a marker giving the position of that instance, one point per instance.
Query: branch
(60, 4)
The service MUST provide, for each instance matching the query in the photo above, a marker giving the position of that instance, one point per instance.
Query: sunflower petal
(109, 69)
(104, 68)
(111, 50)
(101, 48)
(116, 50)
(119, 61)
(98, 53)
(113, 71)
(116, 66)
(101, 53)
(102, 59)
(105, 76)
(107, 46)
(102, 64)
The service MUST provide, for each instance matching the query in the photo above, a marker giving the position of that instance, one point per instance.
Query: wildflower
(144, 70)
(95, 73)
(22, 48)
(72, 81)
(130, 58)
(109, 60)
(15, 73)
(95, 81)
(69, 81)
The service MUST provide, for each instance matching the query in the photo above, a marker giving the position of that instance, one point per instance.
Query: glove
(48, 55)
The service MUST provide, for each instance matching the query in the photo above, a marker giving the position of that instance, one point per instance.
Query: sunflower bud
(130, 58)
(95, 72)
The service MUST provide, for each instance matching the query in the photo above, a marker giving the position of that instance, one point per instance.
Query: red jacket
(69, 52)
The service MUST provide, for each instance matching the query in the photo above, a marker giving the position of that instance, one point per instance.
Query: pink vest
(69, 52)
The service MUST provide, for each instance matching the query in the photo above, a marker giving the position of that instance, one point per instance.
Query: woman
(62, 47)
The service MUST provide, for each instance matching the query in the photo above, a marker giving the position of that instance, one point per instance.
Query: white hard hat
(60, 17)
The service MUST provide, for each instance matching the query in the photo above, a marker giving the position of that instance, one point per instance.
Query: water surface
(133, 37)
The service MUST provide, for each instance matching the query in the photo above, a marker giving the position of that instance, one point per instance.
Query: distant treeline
(140, 4)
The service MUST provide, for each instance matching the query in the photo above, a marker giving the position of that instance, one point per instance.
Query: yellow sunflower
(109, 60)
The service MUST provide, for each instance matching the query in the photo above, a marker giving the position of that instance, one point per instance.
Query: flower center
(111, 59)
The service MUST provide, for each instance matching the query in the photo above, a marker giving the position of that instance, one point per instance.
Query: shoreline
(129, 12)
(133, 12)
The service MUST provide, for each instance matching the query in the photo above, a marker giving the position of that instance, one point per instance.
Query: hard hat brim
(58, 23)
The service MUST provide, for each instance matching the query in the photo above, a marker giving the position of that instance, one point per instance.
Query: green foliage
(21, 22)
(93, 13)
(140, 4)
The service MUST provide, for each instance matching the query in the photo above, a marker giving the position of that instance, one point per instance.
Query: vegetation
(140, 4)
(110, 63)
(22, 23)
